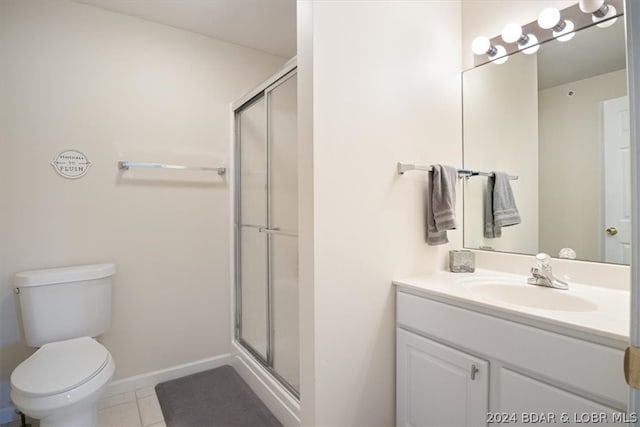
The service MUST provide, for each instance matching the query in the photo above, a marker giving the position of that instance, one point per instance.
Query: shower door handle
(268, 230)
(277, 230)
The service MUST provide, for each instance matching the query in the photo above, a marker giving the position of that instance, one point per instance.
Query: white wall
(117, 87)
(571, 205)
(378, 86)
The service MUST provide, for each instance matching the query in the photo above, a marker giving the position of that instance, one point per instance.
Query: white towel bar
(463, 173)
(125, 165)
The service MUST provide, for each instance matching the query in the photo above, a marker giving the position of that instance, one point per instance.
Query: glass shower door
(267, 230)
(283, 209)
(252, 218)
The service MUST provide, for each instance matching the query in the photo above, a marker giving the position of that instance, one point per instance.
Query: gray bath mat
(214, 398)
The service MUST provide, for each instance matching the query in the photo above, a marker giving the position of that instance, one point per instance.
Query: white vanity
(486, 347)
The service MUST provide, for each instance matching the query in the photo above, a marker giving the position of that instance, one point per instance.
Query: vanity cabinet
(457, 367)
(520, 394)
(439, 385)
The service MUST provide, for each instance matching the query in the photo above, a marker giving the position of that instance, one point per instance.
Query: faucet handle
(543, 259)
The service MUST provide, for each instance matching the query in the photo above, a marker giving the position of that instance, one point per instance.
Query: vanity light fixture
(551, 24)
(496, 53)
(600, 11)
(527, 43)
(562, 28)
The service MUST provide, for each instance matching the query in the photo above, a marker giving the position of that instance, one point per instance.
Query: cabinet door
(528, 397)
(438, 385)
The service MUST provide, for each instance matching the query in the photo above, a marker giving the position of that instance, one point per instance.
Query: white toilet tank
(63, 303)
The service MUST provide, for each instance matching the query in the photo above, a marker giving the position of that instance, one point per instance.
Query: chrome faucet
(542, 275)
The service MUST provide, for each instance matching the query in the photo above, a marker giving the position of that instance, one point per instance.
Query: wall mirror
(559, 121)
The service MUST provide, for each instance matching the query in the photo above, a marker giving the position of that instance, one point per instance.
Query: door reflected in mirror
(559, 120)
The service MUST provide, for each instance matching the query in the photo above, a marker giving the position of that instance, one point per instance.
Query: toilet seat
(59, 367)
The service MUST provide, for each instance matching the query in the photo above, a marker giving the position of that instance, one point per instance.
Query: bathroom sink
(530, 296)
(584, 307)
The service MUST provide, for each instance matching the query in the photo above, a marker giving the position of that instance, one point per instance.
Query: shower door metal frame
(261, 92)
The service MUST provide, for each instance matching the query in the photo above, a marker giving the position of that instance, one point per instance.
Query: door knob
(612, 231)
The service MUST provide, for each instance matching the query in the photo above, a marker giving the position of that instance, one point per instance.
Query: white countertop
(597, 314)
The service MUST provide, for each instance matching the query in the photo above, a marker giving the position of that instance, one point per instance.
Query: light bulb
(511, 33)
(549, 18)
(531, 46)
(481, 45)
(566, 33)
(611, 12)
(590, 6)
(500, 55)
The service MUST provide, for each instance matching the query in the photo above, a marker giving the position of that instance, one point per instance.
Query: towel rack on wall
(125, 165)
(462, 173)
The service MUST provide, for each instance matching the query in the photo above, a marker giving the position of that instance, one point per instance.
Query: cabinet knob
(474, 371)
(612, 231)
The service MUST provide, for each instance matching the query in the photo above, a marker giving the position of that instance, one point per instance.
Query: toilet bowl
(62, 310)
(60, 384)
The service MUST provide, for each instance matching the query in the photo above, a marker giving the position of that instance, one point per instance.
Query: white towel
(441, 203)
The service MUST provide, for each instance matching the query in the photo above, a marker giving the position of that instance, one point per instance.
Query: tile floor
(132, 409)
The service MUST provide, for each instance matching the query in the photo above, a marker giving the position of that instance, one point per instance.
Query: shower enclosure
(266, 227)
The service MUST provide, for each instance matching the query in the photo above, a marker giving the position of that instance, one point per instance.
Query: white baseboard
(150, 379)
(280, 402)
(7, 414)
(7, 410)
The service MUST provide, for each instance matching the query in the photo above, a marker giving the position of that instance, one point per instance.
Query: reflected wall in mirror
(558, 120)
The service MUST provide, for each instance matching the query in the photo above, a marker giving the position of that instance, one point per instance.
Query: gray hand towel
(491, 231)
(500, 205)
(441, 203)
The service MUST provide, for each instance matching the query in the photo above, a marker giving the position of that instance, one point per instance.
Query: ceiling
(266, 25)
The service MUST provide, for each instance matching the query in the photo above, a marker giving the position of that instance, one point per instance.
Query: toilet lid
(60, 366)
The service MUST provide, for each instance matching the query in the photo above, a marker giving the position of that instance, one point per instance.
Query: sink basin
(585, 308)
(531, 296)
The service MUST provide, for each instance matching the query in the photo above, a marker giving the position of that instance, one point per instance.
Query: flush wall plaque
(71, 164)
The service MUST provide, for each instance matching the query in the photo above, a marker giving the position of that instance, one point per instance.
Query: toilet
(63, 309)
